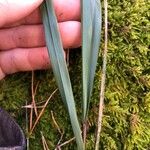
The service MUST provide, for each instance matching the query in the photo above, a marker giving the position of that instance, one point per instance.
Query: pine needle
(45, 145)
(58, 128)
(27, 128)
(55, 123)
(31, 106)
(42, 111)
(33, 94)
(66, 142)
(31, 118)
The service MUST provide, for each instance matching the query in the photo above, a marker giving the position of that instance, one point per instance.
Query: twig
(101, 103)
(42, 111)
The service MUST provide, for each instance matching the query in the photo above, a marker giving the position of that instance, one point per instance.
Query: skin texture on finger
(61, 8)
(18, 60)
(67, 10)
(23, 60)
(13, 10)
(32, 19)
(29, 36)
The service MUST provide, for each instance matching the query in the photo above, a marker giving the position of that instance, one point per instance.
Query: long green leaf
(91, 30)
(59, 66)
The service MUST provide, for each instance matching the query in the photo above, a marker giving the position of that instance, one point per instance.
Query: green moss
(126, 121)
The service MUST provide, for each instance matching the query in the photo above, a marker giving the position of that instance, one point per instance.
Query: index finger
(69, 11)
(11, 11)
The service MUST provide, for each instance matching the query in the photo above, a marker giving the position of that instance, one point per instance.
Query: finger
(61, 8)
(33, 36)
(33, 18)
(64, 12)
(11, 11)
(69, 10)
(23, 60)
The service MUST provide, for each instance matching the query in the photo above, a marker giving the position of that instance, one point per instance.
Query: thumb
(13, 10)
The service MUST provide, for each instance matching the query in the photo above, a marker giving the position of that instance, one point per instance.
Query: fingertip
(11, 11)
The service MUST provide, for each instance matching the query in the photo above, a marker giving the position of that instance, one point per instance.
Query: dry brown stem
(102, 90)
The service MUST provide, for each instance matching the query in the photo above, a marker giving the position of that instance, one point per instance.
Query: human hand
(22, 41)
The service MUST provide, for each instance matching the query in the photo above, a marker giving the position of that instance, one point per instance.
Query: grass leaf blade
(91, 26)
(59, 66)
